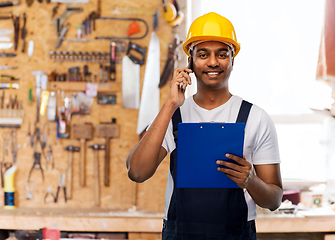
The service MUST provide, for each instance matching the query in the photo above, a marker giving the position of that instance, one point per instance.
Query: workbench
(135, 222)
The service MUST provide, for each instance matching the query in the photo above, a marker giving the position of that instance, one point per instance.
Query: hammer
(70, 149)
(107, 130)
(83, 132)
(96, 148)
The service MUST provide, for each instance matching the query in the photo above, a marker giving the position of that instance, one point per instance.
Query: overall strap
(176, 119)
(243, 114)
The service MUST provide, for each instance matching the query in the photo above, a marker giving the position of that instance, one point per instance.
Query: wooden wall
(122, 194)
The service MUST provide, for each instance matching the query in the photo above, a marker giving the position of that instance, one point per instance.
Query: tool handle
(69, 177)
(56, 198)
(96, 178)
(112, 61)
(107, 163)
(82, 161)
(8, 4)
(166, 72)
(1, 173)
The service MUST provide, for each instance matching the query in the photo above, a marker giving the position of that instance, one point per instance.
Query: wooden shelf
(99, 220)
(107, 220)
(81, 86)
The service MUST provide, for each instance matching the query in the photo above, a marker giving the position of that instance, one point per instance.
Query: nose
(212, 61)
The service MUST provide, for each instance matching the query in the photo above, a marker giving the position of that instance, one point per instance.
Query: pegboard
(121, 194)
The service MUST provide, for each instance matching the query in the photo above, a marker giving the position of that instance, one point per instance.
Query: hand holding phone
(189, 66)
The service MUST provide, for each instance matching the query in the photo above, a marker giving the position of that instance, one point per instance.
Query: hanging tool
(6, 31)
(96, 14)
(29, 194)
(9, 188)
(107, 130)
(49, 192)
(30, 48)
(44, 136)
(62, 35)
(149, 106)
(106, 73)
(100, 73)
(49, 158)
(130, 84)
(16, 23)
(7, 54)
(125, 19)
(5, 16)
(13, 145)
(6, 45)
(36, 165)
(61, 184)
(38, 80)
(70, 149)
(96, 148)
(5, 67)
(9, 3)
(30, 93)
(112, 61)
(83, 132)
(133, 28)
(4, 165)
(4, 39)
(24, 32)
(140, 51)
(59, 21)
(172, 57)
(8, 78)
(31, 136)
(9, 85)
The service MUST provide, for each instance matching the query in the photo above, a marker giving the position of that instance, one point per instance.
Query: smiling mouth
(212, 74)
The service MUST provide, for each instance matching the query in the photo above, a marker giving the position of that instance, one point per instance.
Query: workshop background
(64, 69)
(59, 64)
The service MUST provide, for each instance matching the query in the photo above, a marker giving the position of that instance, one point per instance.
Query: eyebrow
(219, 50)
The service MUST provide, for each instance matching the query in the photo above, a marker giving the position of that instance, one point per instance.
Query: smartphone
(189, 66)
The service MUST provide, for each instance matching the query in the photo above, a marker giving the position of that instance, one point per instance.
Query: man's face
(212, 63)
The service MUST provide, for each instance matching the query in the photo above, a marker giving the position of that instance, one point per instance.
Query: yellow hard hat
(211, 27)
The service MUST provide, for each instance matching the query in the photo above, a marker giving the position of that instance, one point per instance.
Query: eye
(223, 54)
(202, 55)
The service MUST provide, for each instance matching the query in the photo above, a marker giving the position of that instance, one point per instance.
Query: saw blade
(149, 106)
(130, 84)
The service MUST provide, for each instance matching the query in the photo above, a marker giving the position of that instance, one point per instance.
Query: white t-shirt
(260, 143)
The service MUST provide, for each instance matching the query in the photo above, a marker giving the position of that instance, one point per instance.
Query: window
(276, 70)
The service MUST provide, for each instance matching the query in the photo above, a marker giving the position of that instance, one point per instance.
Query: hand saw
(149, 106)
(130, 83)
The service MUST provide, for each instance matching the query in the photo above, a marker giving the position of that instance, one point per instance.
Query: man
(207, 213)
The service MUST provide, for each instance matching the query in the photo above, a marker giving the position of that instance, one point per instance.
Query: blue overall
(207, 213)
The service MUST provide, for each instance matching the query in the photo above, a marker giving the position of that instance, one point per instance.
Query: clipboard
(199, 146)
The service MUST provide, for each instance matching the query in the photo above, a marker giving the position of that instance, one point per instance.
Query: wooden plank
(330, 237)
(294, 224)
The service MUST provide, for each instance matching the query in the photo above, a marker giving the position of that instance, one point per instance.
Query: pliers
(61, 184)
(49, 191)
(36, 165)
(49, 158)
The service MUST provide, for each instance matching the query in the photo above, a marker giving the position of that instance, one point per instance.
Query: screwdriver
(7, 78)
